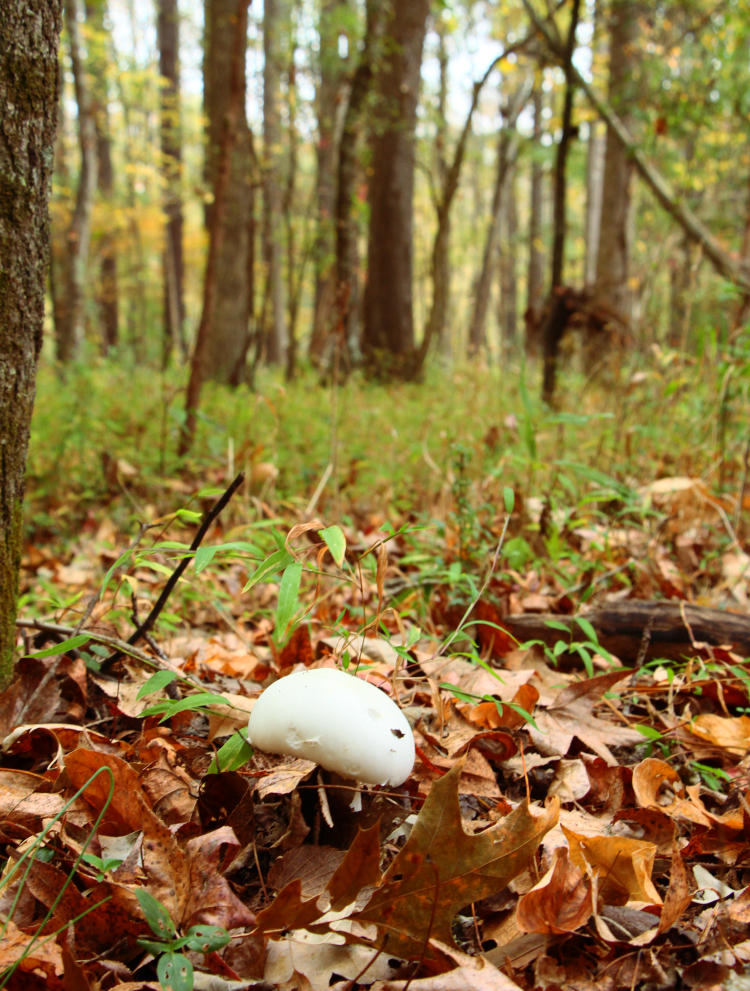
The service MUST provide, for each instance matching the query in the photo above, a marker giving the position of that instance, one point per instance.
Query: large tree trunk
(70, 329)
(28, 84)
(107, 288)
(388, 340)
(219, 228)
(274, 322)
(226, 346)
(173, 264)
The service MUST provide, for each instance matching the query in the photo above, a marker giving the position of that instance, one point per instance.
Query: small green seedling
(174, 969)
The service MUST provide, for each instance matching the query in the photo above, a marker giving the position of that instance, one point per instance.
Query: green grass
(104, 440)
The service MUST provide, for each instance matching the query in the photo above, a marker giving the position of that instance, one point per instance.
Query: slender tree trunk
(227, 344)
(295, 266)
(506, 151)
(173, 263)
(348, 172)
(388, 341)
(595, 150)
(556, 319)
(614, 241)
(218, 228)
(275, 325)
(72, 327)
(330, 98)
(29, 84)
(508, 310)
(107, 295)
(535, 270)
(441, 284)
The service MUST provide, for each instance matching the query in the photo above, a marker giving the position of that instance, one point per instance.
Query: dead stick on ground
(148, 622)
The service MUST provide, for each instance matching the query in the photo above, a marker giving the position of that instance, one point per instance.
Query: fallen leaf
(731, 733)
(623, 866)
(560, 902)
(441, 869)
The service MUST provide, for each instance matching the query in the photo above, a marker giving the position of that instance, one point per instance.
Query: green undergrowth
(104, 442)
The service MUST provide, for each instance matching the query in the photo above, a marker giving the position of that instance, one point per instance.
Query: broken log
(639, 631)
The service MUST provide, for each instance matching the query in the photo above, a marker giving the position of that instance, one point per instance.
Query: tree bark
(348, 172)
(508, 307)
(107, 300)
(330, 97)
(636, 631)
(551, 331)
(615, 230)
(225, 348)
(274, 323)
(218, 231)
(506, 153)
(28, 94)
(535, 270)
(388, 338)
(70, 330)
(173, 263)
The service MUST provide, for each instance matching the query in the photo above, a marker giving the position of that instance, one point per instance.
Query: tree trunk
(107, 288)
(349, 171)
(330, 96)
(173, 263)
(506, 152)
(274, 322)
(227, 344)
(388, 339)
(441, 283)
(553, 328)
(28, 84)
(595, 150)
(508, 310)
(71, 328)
(219, 229)
(535, 270)
(615, 233)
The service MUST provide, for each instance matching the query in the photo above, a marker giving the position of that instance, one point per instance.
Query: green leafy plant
(173, 968)
(38, 850)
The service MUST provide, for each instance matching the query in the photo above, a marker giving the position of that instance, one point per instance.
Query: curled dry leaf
(623, 866)
(731, 733)
(560, 903)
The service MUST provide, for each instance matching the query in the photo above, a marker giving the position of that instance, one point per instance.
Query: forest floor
(577, 816)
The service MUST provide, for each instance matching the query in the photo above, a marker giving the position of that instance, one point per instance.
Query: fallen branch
(638, 631)
(141, 631)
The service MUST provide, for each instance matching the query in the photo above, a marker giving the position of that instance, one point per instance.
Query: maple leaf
(441, 869)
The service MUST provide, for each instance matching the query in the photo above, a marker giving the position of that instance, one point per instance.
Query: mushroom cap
(341, 722)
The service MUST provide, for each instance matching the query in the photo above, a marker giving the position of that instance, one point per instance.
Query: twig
(149, 621)
(107, 640)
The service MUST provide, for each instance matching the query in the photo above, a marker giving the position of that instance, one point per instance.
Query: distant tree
(556, 319)
(330, 98)
(98, 60)
(70, 313)
(348, 173)
(388, 337)
(173, 264)
(615, 229)
(535, 268)
(275, 328)
(227, 344)
(29, 36)
(506, 153)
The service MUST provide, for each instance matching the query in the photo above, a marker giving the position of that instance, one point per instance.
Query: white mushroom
(343, 723)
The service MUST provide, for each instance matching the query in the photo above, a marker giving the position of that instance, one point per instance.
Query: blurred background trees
(391, 194)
